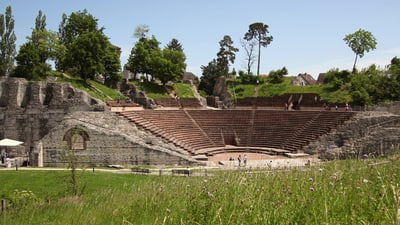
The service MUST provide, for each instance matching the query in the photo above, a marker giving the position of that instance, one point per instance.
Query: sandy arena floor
(255, 160)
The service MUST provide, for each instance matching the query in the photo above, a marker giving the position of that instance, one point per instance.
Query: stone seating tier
(199, 130)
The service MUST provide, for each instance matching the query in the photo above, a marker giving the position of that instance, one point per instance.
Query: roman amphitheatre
(50, 117)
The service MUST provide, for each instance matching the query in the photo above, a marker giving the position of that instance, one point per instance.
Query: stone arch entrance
(76, 138)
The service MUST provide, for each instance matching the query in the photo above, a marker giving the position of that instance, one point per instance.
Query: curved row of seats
(302, 99)
(199, 130)
(179, 102)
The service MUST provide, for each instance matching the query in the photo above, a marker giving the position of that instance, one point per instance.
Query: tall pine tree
(7, 42)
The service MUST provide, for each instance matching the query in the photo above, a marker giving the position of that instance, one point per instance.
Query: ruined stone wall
(29, 110)
(393, 107)
(41, 114)
(369, 133)
(221, 97)
(111, 140)
(136, 95)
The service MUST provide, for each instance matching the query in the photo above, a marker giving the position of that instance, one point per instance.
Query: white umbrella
(10, 142)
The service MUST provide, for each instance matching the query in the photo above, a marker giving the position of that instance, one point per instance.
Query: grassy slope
(154, 90)
(338, 192)
(268, 89)
(93, 88)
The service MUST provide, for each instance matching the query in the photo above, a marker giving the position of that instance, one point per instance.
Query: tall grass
(339, 192)
(184, 90)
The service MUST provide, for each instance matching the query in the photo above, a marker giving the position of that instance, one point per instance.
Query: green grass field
(338, 192)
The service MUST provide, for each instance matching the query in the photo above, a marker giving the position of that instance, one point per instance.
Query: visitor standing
(239, 160)
(244, 160)
(3, 156)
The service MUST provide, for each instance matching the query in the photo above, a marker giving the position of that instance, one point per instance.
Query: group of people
(328, 107)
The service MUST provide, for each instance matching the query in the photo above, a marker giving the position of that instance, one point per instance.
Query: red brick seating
(190, 103)
(172, 125)
(211, 131)
(167, 102)
(299, 99)
(224, 127)
(122, 103)
(179, 102)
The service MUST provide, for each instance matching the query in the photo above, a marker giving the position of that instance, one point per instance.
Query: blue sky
(308, 35)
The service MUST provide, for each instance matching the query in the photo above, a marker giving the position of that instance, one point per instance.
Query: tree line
(81, 48)
(148, 59)
(369, 86)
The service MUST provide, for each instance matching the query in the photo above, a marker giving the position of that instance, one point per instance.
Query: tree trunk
(248, 67)
(355, 61)
(258, 64)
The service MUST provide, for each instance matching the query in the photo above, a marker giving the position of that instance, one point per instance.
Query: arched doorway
(76, 139)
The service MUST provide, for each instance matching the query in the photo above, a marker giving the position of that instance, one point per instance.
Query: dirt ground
(255, 160)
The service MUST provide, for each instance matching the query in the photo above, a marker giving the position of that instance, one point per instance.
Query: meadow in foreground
(337, 192)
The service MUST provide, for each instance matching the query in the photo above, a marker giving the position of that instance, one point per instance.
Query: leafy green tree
(175, 45)
(34, 54)
(142, 54)
(335, 79)
(169, 66)
(89, 52)
(75, 24)
(141, 31)
(359, 87)
(112, 65)
(7, 42)
(360, 42)
(383, 86)
(28, 63)
(247, 78)
(176, 59)
(394, 69)
(226, 54)
(371, 86)
(394, 75)
(395, 65)
(86, 52)
(40, 25)
(218, 67)
(209, 76)
(276, 76)
(165, 65)
(258, 31)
